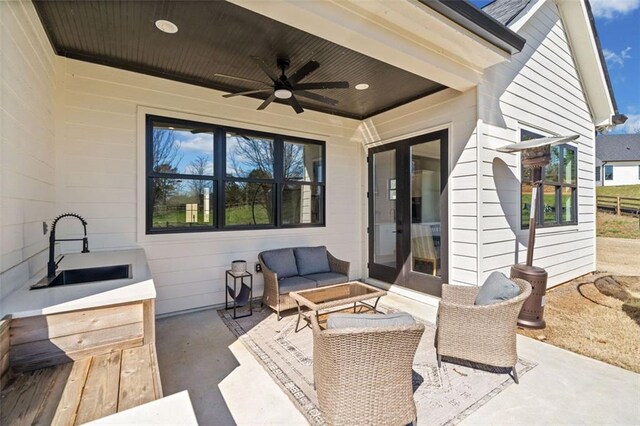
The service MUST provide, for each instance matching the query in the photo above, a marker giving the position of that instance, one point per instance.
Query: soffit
(220, 37)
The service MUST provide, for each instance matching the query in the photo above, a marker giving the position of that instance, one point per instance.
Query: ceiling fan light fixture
(362, 86)
(166, 26)
(283, 93)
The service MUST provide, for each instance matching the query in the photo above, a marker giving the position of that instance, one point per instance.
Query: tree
(165, 160)
(199, 166)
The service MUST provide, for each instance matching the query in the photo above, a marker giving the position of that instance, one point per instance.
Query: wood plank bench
(83, 390)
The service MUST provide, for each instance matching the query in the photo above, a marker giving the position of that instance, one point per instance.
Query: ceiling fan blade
(267, 102)
(247, 80)
(260, 62)
(322, 85)
(303, 72)
(295, 105)
(248, 92)
(316, 97)
(197, 131)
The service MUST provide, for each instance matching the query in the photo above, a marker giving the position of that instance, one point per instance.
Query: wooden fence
(619, 205)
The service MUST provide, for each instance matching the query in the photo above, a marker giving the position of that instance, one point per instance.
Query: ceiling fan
(288, 87)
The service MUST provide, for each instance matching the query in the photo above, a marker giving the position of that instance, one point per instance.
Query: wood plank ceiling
(220, 37)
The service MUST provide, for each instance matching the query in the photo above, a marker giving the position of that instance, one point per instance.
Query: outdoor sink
(85, 275)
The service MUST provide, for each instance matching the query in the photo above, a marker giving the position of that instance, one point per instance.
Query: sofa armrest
(271, 285)
(337, 265)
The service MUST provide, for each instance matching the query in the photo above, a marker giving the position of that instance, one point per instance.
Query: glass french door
(408, 212)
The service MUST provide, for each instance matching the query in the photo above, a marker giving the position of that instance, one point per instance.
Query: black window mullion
(278, 175)
(221, 171)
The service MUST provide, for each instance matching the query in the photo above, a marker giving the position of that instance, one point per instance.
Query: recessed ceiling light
(166, 26)
(362, 86)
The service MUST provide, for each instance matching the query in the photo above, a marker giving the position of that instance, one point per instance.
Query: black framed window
(204, 177)
(559, 189)
(608, 172)
(597, 173)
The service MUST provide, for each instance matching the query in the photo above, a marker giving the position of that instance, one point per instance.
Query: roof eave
(479, 23)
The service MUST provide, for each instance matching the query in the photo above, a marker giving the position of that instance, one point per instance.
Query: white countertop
(24, 302)
(174, 409)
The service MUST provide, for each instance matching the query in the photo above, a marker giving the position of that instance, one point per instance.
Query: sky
(618, 26)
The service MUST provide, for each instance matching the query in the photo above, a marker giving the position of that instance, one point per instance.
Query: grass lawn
(632, 191)
(610, 225)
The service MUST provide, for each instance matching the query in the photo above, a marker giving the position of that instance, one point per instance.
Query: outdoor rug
(443, 396)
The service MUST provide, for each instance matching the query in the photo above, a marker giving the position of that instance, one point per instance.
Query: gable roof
(618, 147)
(504, 11)
(580, 28)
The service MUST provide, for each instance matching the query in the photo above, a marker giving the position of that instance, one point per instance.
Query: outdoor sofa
(298, 268)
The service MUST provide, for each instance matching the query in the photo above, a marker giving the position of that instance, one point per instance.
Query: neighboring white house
(618, 160)
(403, 179)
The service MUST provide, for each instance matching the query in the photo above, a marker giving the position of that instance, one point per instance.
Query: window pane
(303, 161)
(301, 204)
(249, 156)
(525, 195)
(185, 203)
(551, 169)
(570, 167)
(608, 172)
(248, 203)
(425, 208)
(568, 213)
(182, 149)
(549, 205)
(597, 173)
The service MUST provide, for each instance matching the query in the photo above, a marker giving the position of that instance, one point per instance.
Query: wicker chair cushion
(289, 284)
(335, 321)
(496, 288)
(328, 278)
(312, 260)
(281, 261)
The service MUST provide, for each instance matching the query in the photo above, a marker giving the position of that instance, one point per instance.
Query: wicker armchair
(281, 302)
(364, 376)
(485, 334)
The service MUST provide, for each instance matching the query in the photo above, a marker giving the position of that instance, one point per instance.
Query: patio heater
(536, 154)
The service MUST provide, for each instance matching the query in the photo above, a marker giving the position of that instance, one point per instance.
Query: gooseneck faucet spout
(53, 265)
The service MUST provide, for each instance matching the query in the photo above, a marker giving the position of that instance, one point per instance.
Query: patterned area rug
(443, 396)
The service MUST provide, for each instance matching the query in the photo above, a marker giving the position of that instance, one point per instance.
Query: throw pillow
(496, 288)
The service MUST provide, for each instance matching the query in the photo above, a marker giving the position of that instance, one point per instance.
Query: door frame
(403, 274)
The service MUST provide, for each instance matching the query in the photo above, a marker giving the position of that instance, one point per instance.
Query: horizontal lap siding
(541, 88)
(459, 111)
(99, 180)
(27, 144)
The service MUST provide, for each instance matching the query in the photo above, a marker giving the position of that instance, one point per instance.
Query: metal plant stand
(536, 153)
(239, 298)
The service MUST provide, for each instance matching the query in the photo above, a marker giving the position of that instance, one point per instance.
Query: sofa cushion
(328, 278)
(496, 288)
(335, 321)
(281, 261)
(286, 285)
(312, 260)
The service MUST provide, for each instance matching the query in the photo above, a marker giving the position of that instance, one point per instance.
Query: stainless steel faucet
(53, 265)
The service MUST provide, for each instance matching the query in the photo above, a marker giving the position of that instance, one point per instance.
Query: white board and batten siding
(27, 139)
(456, 112)
(539, 89)
(102, 177)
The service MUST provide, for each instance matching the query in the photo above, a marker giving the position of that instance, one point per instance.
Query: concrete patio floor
(227, 385)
